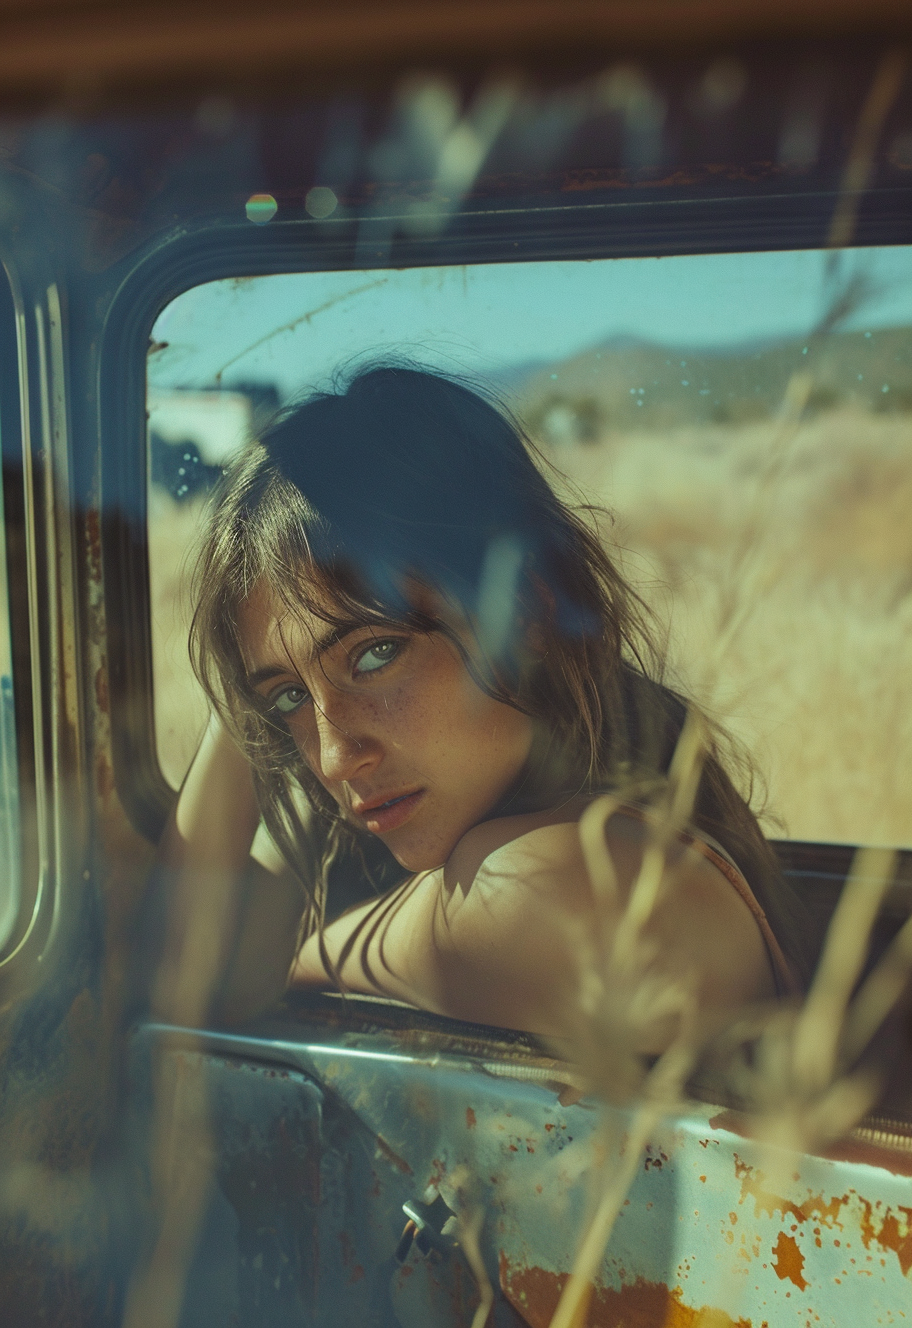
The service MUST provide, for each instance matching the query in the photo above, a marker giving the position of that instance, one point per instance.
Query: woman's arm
(501, 934)
(232, 907)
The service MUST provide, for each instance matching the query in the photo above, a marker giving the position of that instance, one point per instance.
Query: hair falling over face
(406, 500)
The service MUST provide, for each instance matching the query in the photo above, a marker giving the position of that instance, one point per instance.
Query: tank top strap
(787, 983)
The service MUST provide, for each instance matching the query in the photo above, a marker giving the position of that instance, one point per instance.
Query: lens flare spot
(320, 202)
(261, 208)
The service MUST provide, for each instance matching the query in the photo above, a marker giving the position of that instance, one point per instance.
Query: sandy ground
(781, 563)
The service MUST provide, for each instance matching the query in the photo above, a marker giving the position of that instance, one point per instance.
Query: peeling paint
(894, 1232)
(789, 1261)
(769, 1204)
(888, 1228)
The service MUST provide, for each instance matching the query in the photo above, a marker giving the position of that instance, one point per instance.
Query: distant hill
(622, 385)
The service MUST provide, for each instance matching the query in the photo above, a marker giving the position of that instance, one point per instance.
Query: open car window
(744, 418)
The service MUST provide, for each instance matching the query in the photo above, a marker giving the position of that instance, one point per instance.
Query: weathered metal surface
(715, 1229)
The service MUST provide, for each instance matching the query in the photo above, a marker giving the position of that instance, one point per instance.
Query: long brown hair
(405, 477)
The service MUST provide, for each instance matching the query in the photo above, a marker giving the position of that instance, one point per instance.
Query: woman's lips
(392, 814)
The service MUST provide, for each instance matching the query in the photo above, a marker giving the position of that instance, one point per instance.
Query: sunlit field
(815, 681)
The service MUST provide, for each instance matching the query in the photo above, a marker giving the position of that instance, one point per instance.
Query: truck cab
(680, 248)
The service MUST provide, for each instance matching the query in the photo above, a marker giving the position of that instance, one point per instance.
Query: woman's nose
(343, 749)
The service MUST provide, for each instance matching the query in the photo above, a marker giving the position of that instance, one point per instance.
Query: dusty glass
(745, 418)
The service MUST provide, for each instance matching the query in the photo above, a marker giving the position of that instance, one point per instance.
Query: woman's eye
(289, 699)
(376, 655)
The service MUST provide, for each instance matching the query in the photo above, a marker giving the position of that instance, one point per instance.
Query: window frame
(760, 219)
(17, 517)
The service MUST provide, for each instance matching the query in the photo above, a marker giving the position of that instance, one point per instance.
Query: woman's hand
(232, 906)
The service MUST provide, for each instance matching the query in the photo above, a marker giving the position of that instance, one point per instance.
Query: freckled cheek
(394, 718)
(402, 719)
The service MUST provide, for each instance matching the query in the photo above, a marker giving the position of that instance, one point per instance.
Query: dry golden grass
(814, 681)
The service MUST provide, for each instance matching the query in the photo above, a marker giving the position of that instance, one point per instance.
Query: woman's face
(390, 722)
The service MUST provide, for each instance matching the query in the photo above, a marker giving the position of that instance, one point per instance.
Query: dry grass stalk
(881, 992)
(621, 998)
(857, 175)
(801, 1085)
(797, 1083)
(183, 1152)
(661, 1093)
(818, 1028)
(470, 1224)
(183, 1160)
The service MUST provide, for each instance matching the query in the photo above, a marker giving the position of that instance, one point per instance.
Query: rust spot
(101, 689)
(789, 1261)
(438, 1171)
(471, 1120)
(93, 542)
(534, 1293)
(391, 1156)
(891, 1237)
(894, 1231)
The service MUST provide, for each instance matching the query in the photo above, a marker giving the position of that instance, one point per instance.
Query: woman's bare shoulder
(507, 844)
(535, 866)
(538, 850)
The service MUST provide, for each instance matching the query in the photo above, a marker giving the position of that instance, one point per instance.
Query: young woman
(423, 663)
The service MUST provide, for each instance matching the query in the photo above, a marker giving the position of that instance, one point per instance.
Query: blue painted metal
(320, 1143)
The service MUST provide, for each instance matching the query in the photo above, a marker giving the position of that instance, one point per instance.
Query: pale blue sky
(295, 330)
